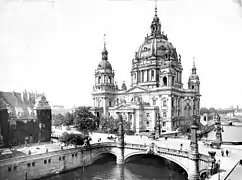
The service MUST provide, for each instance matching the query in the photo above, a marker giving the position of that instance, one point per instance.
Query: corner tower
(194, 82)
(4, 126)
(104, 85)
(43, 113)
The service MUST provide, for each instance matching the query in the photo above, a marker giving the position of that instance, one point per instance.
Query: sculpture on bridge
(152, 149)
(218, 130)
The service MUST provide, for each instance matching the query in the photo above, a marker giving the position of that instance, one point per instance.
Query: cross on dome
(104, 52)
(194, 67)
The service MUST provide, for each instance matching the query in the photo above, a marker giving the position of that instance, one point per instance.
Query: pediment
(137, 89)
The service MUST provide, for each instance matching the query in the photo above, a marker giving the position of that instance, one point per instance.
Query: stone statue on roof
(124, 87)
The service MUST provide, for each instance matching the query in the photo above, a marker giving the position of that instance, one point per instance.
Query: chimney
(28, 96)
(22, 96)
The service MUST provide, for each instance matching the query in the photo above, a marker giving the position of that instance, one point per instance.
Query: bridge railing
(55, 153)
(160, 149)
(102, 144)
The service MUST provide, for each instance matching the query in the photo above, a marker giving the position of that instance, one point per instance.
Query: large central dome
(156, 44)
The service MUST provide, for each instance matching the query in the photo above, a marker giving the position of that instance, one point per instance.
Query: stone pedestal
(194, 153)
(120, 142)
(120, 155)
(193, 156)
(212, 162)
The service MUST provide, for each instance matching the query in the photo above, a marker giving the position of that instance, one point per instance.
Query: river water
(143, 167)
(230, 133)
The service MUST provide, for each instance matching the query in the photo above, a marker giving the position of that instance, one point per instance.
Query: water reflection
(139, 168)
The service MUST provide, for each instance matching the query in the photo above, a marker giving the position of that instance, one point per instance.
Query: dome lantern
(104, 64)
(194, 69)
(155, 25)
(104, 52)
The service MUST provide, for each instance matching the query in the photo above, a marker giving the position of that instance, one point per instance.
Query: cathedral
(156, 98)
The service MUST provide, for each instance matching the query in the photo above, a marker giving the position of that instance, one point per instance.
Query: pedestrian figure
(181, 146)
(227, 152)
(222, 152)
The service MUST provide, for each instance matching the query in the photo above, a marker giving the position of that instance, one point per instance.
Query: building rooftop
(19, 104)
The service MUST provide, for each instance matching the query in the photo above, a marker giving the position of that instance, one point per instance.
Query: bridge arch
(160, 155)
(100, 154)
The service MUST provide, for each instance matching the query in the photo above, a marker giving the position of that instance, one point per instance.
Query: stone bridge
(182, 158)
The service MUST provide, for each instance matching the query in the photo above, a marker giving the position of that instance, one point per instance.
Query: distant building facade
(59, 109)
(226, 113)
(238, 112)
(24, 118)
(156, 96)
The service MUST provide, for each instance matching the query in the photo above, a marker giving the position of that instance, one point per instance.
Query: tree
(84, 119)
(57, 120)
(64, 137)
(75, 139)
(204, 110)
(111, 125)
(68, 119)
(184, 129)
(212, 110)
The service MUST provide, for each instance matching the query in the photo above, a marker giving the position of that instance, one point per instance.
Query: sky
(54, 46)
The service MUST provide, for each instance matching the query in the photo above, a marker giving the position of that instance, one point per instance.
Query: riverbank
(41, 164)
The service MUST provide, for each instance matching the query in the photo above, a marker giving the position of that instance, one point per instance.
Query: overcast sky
(54, 46)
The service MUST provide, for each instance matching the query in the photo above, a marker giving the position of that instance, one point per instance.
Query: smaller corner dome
(104, 64)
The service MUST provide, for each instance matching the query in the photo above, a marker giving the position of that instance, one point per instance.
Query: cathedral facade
(156, 98)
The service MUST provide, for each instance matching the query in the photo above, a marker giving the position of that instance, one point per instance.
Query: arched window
(152, 74)
(192, 87)
(187, 110)
(143, 75)
(134, 75)
(165, 81)
(110, 103)
(173, 81)
(99, 80)
(104, 80)
(109, 80)
(164, 103)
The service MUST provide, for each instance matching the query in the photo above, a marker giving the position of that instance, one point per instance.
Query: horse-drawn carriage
(111, 138)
